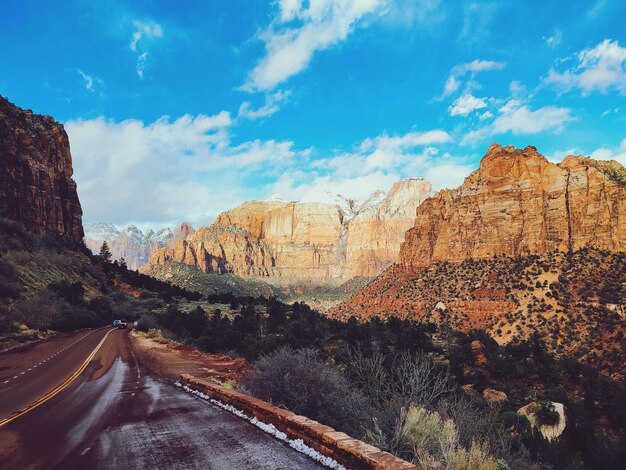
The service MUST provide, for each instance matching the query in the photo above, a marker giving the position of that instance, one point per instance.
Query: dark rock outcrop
(36, 185)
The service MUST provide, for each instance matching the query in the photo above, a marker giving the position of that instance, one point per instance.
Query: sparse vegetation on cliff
(575, 301)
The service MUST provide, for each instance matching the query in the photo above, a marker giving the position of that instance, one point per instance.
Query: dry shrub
(432, 442)
(302, 382)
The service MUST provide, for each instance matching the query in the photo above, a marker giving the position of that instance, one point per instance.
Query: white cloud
(190, 169)
(600, 68)
(375, 163)
(167, 171)
(617, 154)
(145, 32)
(454, 80)
(451, 86)
(289, 9)
(296, 186)
(91, 82)
(476, 19)
(428, 14)
(610, 111)
(448, 175)
(271, 106)
(465, 104)
(597, 9)
(517, 89)
(145, 29)
(478, 66)
(519, 119)
(301, 29)
(555, 39)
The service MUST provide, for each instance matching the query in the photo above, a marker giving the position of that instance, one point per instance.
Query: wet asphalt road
(117, 415)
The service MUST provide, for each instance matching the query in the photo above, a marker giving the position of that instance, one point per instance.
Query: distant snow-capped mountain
(130, 242)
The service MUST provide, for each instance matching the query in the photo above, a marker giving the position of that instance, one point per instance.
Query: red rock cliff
(36, 186)
(518, 202)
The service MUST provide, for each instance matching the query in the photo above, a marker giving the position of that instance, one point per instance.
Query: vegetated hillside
(50, 283)
(362, 377)
(192, 278)
(575, 301)
(319, 294)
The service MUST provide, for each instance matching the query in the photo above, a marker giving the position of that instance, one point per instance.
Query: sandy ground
(172, 361)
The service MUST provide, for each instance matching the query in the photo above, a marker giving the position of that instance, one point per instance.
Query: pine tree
(105, 253)
(122, 263)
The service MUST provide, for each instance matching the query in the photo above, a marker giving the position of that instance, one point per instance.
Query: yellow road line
(59, 388)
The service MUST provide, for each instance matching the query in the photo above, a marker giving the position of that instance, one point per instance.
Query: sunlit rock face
(518, 202)
(36, 185)
(376, 232)
(337, 238)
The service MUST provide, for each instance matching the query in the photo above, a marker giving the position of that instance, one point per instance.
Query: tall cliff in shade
(36, 186)
(338, 239)
(518, 202)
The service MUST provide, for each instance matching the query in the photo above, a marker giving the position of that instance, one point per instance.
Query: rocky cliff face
(377, 231)
(304, 240)
(36, 186)
(518, 202)
(463, 263)
(131, 243)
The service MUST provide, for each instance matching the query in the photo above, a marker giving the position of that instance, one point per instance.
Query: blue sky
(179, 110)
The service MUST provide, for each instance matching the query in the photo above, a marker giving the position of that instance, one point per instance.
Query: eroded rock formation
(459, 264)
(376, 232)
(36, 185)
(518, 202)
(304, 240)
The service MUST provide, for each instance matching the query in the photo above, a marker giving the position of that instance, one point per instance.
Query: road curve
(116, 414)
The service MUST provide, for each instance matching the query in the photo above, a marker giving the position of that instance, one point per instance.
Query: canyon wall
(36, 185)
(304, 240)
(376, 233)
(518, 202)
(464, 263)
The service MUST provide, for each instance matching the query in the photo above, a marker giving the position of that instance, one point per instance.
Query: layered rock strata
(304, 240)
(518, 202)
(36, 185)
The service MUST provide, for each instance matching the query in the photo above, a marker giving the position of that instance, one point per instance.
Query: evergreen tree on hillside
(105, 253)
(122, 263)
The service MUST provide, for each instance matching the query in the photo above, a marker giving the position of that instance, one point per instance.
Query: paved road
(117, 415)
